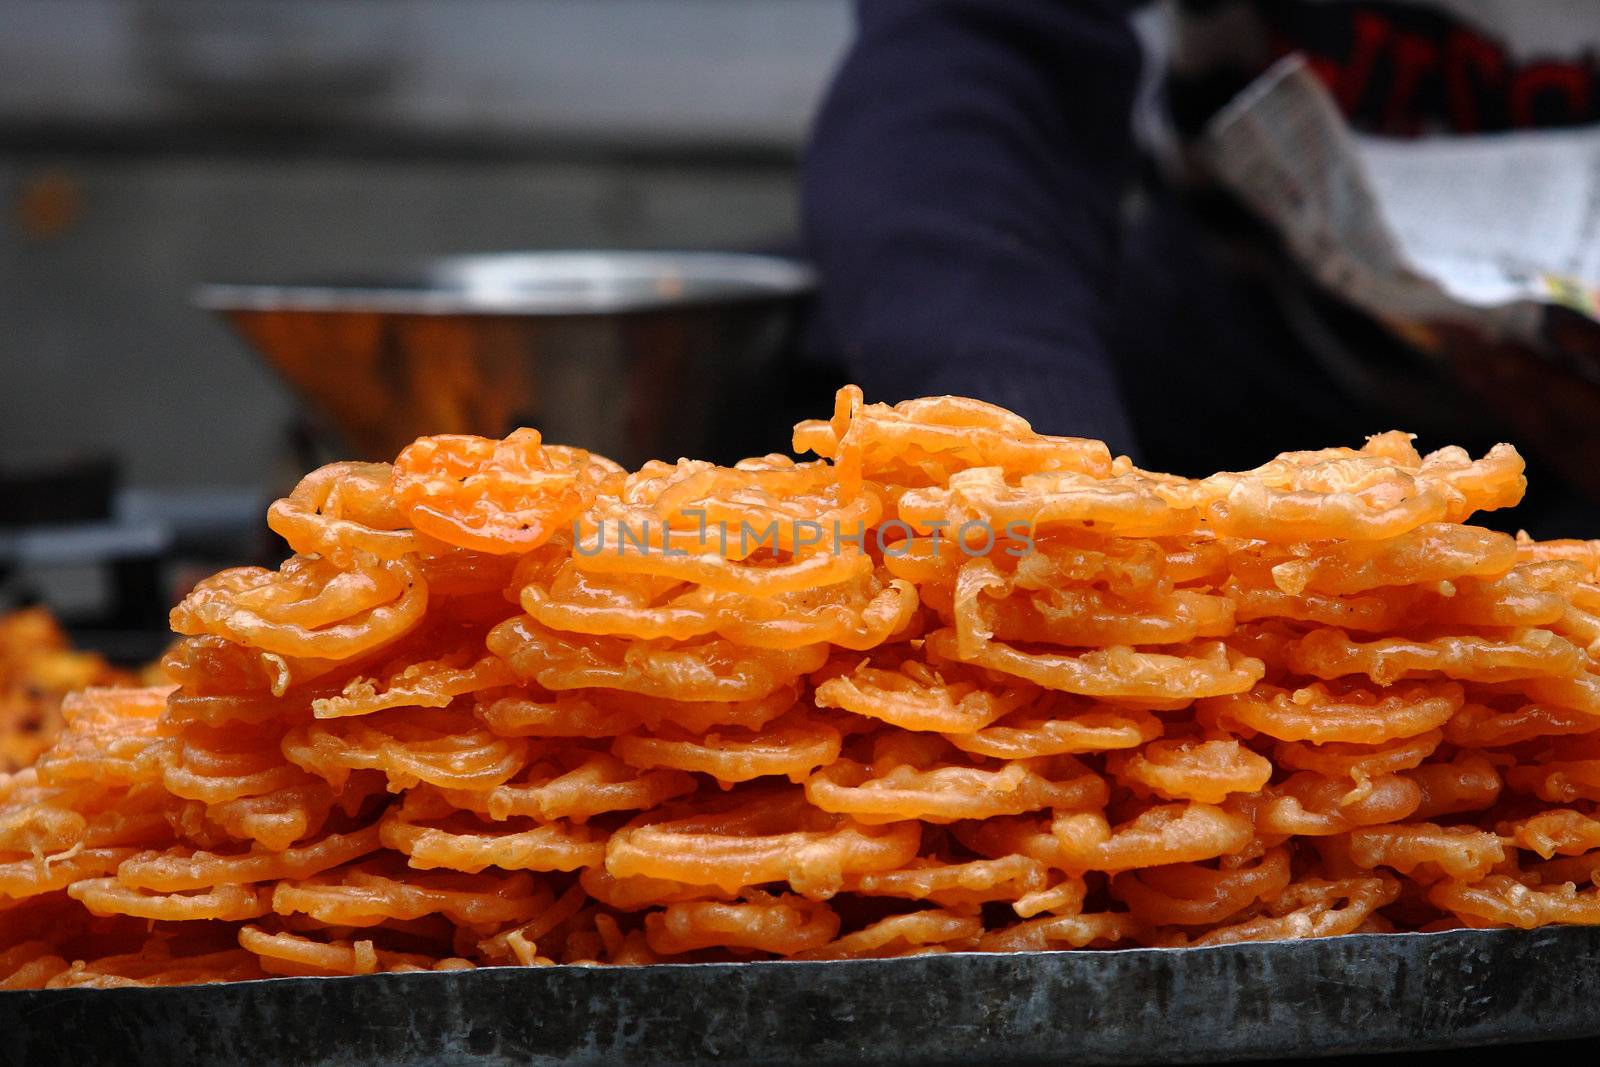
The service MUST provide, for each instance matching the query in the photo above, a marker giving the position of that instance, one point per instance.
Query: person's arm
(961, 197)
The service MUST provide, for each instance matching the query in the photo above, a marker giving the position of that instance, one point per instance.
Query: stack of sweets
(953, 686)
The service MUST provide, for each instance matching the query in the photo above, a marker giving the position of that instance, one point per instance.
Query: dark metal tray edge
(1326, 997)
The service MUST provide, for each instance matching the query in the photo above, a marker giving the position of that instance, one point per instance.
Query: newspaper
(1484, 232)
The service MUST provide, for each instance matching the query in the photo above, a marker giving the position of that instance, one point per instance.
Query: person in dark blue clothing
(985, 223)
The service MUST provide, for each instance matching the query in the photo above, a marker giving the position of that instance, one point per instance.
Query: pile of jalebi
(38, 667)
(952, 686)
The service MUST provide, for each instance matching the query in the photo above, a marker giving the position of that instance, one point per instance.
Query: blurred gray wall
(149, 145)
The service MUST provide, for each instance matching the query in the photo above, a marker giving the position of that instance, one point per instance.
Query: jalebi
(952, 686)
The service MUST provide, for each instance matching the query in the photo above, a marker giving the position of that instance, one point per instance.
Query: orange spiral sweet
(950, 686)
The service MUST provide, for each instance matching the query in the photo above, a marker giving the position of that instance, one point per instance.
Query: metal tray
(1356, 994)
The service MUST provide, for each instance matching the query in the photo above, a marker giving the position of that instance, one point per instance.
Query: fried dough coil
(432, 834)
(1206, 771)
(345, 507)
(175, 871)
(370, 893)
(229, 903)
(574, 784)
(914, 697)
(1310, 908)
(1063, 932)
(1192, 894)
(1521, 653)
(902, 935)
(495, 496)
(769, 839)
(1320, 713)
(956, 886)
(443, 747)
(794, 747)
(712, 669)
(1500, 900)
(942, 794)
(1461, 852)
(312, 606)
(1162, 834)
(782, 925)
(1118, 672)
(429, 684)
(1046, 732)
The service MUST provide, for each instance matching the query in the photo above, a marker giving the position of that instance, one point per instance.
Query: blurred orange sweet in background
(38, 667)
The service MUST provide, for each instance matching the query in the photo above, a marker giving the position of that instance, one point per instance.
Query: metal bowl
(637, 355)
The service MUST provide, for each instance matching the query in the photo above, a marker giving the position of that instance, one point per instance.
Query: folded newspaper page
(1483, 232)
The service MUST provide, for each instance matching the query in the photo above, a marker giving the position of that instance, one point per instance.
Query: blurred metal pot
(637, 355)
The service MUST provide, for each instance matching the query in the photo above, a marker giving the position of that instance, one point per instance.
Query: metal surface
(1369, 993)
(537, 283)
(636, 355)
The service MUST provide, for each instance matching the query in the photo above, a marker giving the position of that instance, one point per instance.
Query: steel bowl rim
(748, 277)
